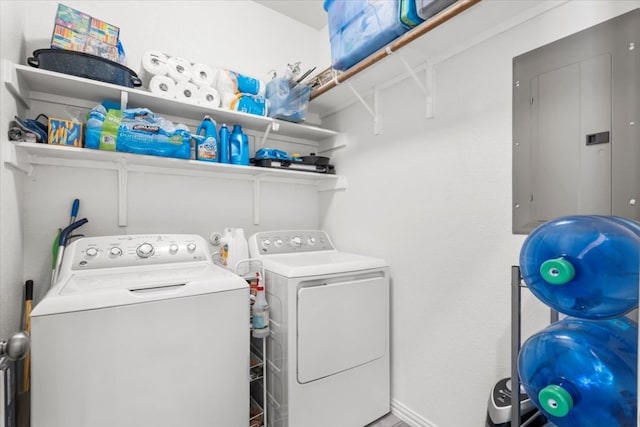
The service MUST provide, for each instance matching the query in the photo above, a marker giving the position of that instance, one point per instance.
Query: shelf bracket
(339, 141)
(12, 83)
(427, 88)
(122, 193)
(271, 126)
(124, 100)
(339, 184)
(15, 161)
(28, 170)
(375, 112)
(256, 201)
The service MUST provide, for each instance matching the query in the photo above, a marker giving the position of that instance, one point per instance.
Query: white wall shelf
(29, 84)
(26, 155)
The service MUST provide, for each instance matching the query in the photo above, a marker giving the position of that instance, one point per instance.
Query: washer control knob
(265, 243)
(91, 252)
(173, 248)
(145, 250)
(278, 243)
(115, 252)
(191, 247)
(296, 242)
(311, 241)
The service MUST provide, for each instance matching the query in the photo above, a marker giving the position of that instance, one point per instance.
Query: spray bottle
(260, 319)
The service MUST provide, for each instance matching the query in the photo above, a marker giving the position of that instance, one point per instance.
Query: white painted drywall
(433, 197)
(11, 184)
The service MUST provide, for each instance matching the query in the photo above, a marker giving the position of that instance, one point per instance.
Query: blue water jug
(582, 372)
(207, 144)
(584, 265)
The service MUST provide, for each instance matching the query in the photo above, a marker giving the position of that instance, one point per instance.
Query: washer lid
(319, 263)
(131, 285)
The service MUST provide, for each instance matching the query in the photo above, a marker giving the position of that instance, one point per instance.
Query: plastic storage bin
(583, 372)
(409, 13)
(357, 28)
(584, 265)
(288, 100)
(428, 8)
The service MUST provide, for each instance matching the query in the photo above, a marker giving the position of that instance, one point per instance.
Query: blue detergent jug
(584, 265)
(223, 144)
(239, 146)
(582, 372)
(207, 146)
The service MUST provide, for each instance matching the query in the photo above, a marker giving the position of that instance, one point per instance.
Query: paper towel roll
(202, 75)
(208, 97)
(155, 62)
(187, 91)
(179, 69)
(163, 86)
(231, 81)
(226, 98)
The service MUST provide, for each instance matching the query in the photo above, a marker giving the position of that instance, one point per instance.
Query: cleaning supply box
(65, 132)
(75, 30)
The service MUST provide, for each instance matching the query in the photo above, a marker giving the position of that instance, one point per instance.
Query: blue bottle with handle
(239, 144)
(584, 265)
(207, 143)
(582, 372)
(223, 144)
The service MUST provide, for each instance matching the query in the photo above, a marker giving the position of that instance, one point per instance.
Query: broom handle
(28, 299)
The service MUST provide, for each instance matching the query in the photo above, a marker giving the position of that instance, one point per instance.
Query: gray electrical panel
(576, 121)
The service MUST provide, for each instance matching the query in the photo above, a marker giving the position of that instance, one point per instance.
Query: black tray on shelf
(294, 166)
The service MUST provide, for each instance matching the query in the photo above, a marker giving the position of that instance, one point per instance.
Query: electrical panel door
(576, 147)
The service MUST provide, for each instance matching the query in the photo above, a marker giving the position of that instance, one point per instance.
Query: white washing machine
(328, 351)
(138, 331)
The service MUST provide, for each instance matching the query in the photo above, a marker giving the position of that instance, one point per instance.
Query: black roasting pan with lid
(82, 64)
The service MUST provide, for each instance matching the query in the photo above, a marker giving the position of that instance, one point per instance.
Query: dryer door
(341, 324)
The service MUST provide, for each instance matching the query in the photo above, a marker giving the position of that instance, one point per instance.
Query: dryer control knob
(266, 243)
(278, 242)
(115, 252)
(311, 241)
(296, 242)
(173, 248)
(91, 252)
(191, 247)
(145, 250)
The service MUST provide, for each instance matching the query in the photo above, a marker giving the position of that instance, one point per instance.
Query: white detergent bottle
(233, 247)
(225, 246)
(240, 245)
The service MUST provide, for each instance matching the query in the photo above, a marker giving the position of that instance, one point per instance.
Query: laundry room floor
(388, 420)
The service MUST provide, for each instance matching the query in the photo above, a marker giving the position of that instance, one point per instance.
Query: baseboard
(409, 416)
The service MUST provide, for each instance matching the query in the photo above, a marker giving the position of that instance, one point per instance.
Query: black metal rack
(516, 321)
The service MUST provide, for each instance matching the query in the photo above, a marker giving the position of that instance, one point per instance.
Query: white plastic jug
(233, 247)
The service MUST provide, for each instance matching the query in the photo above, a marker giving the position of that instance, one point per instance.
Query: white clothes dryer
(141, 330)
(328, 350)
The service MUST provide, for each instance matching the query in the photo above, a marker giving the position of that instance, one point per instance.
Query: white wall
(433, 197)
(241, 35)
(11, 184)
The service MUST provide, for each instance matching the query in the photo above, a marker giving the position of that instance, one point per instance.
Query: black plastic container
(84, 65)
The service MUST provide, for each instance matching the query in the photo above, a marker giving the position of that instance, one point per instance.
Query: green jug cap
(557, 271)
(555, 400)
